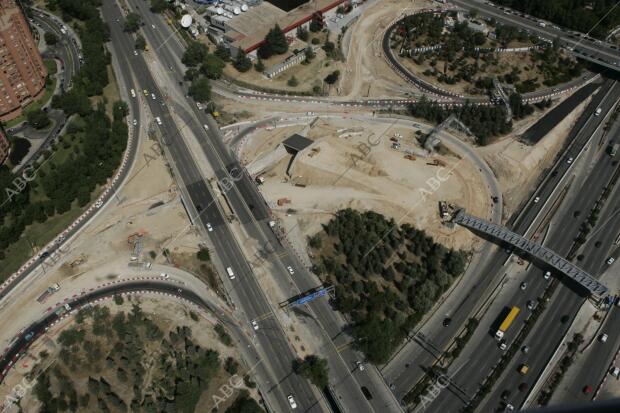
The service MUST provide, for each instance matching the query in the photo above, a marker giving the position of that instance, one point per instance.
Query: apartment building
(22, 71)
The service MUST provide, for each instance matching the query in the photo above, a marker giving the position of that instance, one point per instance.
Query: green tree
(50, 38)
(200, 89)
(132, 22)
(302, 34)
(309, 54)
(293, 82)
(195, 53)
(140, 43)
(315, 26)
(275, 43)
(38, 119)
(242, 62)
(222, 52)
(212, 66)
(244, 404)
(314, 369)
(158, 6)
(203, 254)
(259, 66)
(332, 77)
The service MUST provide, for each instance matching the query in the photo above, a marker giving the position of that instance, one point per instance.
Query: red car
(587, 389)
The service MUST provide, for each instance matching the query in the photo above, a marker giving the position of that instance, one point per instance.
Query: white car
(615, 371)
(67, 307)
(135, 53)
(158, 120)
(536, 199)
(153, 96)
(209, 227)
(569, 161)
(254, 324)
(503, 346)
(153, 26)
(291, 401)
(199, 105)
(133, 93)
(134, 122)
(290, 270)
(603, 337)
(547, 275)
(98, 204)
(523, 285)
(610, 260)
(360, 365)
(164, 275)
(230, 272)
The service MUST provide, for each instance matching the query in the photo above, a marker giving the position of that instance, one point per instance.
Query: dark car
(366, 393)
(587, 389)
(523, 387)
(447, 321)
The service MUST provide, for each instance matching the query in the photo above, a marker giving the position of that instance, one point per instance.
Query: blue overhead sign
(310, 297)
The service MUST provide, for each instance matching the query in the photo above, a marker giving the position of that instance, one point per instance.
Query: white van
(230, 272)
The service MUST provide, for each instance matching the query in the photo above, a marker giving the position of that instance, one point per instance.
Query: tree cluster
(275, 43)
(166, 373)
(386, 276)
(314, 369)
(597, 17)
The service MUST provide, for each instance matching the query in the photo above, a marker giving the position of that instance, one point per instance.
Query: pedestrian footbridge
(534, 249)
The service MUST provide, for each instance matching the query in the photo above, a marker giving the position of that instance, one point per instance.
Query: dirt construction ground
(332, 174)
(368, 74)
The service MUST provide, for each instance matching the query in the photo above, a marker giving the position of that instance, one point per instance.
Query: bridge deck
(559, 263)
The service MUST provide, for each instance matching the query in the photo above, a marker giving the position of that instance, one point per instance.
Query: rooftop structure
(22, 72)
(296, 143)
(247, 29)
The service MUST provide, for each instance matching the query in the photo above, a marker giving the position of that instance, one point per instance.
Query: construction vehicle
(50, 290)
(79, 260)
(436, 162)
(313, 152)
(514, 311)
(283, 201)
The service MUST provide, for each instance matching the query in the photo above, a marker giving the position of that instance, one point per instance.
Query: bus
(514, 311)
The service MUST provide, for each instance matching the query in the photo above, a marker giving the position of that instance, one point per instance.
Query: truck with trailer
(512, 314)
(50, 290)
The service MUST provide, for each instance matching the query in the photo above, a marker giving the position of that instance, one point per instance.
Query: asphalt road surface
(404, 369)
(270, 338)
(548, 331)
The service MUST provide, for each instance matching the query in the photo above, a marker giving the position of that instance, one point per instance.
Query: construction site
(309, 171)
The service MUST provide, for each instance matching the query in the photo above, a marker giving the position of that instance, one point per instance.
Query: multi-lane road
(404, 369)
(275, 376)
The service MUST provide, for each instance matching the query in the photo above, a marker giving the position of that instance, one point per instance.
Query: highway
(549, 331)
(404, 369)
(482, 352)
(271, 340)
(252, 213)
(585, 47)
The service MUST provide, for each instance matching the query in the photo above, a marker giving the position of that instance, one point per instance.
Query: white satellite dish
(236, 10)
(186, 21)
(244, 7)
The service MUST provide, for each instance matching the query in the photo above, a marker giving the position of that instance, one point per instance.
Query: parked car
(291, 401)
(610, 260)
(603, 337)
(523, 285)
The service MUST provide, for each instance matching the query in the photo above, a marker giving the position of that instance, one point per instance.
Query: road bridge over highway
(500, 233)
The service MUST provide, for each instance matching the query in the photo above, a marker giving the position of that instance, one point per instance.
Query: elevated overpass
(560, 264)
